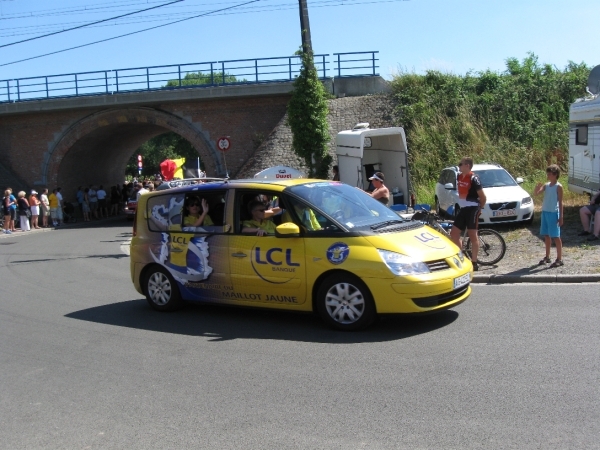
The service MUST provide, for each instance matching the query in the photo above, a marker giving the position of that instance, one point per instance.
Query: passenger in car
(192, 215)
(258, 224)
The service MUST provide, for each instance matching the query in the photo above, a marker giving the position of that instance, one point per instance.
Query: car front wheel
(345, 303)
(161, 291)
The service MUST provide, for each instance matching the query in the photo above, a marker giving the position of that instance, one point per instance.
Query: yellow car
(302, 245)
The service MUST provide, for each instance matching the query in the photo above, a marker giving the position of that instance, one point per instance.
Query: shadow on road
(221, 323)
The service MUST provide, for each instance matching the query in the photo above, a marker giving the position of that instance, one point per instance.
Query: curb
(558, 278)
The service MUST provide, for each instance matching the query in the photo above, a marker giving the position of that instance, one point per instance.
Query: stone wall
(344, 114)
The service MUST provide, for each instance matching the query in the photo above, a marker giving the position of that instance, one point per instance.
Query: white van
(363, 151)
(584, 139)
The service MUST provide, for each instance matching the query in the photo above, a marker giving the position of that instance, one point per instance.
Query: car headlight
(526, 201)
(403, 265)
(461, 256)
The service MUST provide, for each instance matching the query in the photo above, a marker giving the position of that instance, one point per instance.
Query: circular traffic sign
(223, 144)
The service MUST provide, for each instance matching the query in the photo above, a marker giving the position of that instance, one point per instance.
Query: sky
(454, 36)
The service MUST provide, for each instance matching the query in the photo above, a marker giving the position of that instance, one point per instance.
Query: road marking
(126, 247)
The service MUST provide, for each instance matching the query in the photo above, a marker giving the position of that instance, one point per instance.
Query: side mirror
(287, 229)
(449, 186)
(519, 180)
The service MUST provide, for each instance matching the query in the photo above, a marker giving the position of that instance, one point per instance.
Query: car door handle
(239, 255)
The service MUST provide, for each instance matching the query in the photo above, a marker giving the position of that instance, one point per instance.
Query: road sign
(223, 144)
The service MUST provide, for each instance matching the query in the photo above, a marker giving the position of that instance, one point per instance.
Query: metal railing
(177, 76)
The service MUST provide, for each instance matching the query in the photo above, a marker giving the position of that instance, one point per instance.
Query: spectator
(552, 214)
(141, 189)
(45, 206)
(79, 196)
(13, 210)
(93, 196)
(34, 204)
(6, 204)
(85, 206)
(381, 192)
(336, 173)
(587, 212)
(115, 198)
(55, 208)
(101, 194)
(24, 212)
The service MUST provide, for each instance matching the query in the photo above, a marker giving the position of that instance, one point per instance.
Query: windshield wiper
(385, 224)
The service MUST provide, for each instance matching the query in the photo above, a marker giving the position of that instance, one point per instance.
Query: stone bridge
(81, 140)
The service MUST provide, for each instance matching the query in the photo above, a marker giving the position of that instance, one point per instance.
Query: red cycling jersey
(468, 185)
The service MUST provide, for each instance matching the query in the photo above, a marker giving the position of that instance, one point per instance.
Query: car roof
(476, 167)
(250, 183)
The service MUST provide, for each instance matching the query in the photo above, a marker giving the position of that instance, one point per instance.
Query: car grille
(439, 300)
(438, 265)
(503, 219)
(497, 206)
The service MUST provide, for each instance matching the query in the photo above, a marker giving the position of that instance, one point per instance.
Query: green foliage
(518, 118)
(156, 150)
(201, 78)
(307, 118)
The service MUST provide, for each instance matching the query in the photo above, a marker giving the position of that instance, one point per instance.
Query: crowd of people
(42, 209)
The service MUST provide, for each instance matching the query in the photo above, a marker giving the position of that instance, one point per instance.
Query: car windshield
(345, 204)
(495, 178)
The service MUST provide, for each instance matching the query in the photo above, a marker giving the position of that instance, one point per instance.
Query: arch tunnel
(96, 149)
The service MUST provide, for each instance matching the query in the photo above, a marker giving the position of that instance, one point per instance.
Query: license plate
(461, 281)
(504, 212)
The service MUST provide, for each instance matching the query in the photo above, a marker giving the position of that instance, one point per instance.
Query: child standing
(552, 214)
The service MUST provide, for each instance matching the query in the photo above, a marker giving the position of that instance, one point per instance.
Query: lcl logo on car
(431, 241)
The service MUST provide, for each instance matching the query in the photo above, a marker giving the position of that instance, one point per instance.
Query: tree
(307, 118)
(156, 150)
(201, 78)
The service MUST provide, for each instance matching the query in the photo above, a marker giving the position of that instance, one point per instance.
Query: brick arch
(96, 148)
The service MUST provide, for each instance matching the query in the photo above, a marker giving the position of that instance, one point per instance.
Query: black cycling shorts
(468, 217)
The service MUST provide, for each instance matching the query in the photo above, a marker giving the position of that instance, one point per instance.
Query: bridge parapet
(180, 76)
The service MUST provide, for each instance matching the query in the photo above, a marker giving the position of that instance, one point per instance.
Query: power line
(127, 34)
(89, 24)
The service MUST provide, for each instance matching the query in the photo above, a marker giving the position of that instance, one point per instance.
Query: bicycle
(492, 246)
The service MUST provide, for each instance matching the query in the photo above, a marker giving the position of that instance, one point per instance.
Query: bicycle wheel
(491, 247)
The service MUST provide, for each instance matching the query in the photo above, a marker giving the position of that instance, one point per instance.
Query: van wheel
(345, 303)
(161, 291)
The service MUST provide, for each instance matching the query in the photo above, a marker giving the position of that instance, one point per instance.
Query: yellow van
(302, 245)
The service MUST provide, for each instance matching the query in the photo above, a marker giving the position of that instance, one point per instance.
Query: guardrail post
(148, 78)
(179, 74)
(212, 75)
(47, 93)
(223, 71)
(18, 91)
(373, 56)
(117, 79)
(76, 86)
(256, 70)
(290, 67)
(8, 89)
(106, 81)
(324, 67)
(339, 69)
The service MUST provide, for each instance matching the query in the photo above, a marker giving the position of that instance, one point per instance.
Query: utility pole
(305, 27)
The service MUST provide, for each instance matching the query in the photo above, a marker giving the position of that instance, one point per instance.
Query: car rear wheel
(438, 208)
(345, 303)
(161, 291)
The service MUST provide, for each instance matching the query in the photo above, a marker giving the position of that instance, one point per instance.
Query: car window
(495, 178)
(343, 204)
(307, 218)
(164, 211)
(249, 200)
(193, 218)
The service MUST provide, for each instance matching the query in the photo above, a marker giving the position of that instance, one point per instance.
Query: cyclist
(471, 199)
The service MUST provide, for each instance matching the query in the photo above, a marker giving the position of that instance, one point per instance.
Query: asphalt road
(85, 363)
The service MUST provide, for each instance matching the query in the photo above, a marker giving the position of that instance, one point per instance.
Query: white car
(506, 200)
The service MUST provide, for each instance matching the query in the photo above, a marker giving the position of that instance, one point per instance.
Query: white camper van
(584, 139)
(363, 151)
